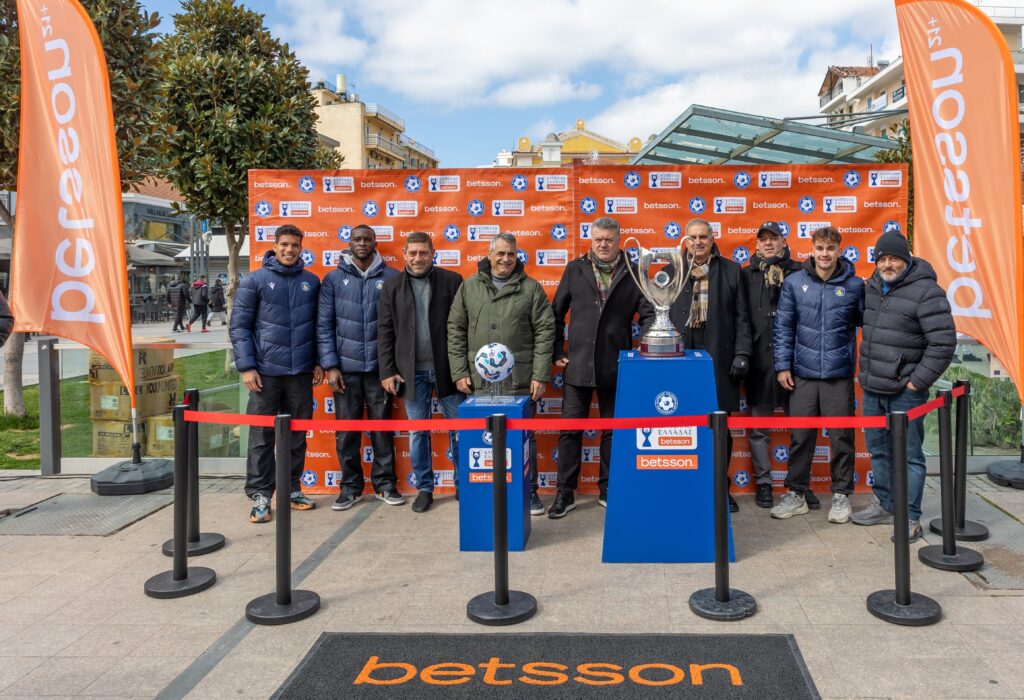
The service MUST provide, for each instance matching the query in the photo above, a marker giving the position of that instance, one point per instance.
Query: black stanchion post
(901, 606)
(947, 556)
(502, 606)
(283, 605)
(198, 542)
(721, 602)
(181, 580)
(965, 530)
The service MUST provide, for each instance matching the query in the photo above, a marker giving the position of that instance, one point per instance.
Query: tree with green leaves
(902, 153)
(127, 34)
(237, 99)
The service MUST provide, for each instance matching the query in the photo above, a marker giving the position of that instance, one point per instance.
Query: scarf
(603, 273)
(772, 277)
(699, 305)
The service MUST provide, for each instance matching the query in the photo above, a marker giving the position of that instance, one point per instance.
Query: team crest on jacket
(840, 291)
(305, 286)
(380, 283)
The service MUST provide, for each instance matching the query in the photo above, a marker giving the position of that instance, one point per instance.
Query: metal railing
(416, 145)
(377, 110)
(386, 145)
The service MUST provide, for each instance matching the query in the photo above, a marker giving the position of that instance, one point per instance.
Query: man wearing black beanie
(907, 343)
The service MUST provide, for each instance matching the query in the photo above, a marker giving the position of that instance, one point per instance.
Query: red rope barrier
(559, 424)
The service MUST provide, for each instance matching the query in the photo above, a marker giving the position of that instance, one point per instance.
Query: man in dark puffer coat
(272, 330)
(815, 335)
(908, 342)
(767, 270)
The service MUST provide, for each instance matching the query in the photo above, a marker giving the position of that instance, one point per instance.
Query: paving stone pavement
(74, 620)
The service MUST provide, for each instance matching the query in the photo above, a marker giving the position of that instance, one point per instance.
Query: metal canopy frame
(711, 136)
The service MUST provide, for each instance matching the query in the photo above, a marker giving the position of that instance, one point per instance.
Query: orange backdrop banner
(551, 211)
(68, 270)
(967, 169)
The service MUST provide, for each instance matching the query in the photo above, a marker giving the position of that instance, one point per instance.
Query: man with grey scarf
(769, 266)
(602, 300)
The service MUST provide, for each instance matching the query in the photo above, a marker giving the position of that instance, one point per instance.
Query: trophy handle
(629, 269)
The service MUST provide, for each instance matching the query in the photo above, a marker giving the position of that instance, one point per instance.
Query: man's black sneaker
(734, 507)
(422, 502)
(812, 501)
(456, 494)
(602, 499)
(764, 496)
(564, 502)
(392, 498)
(536, 505)
(346, 501)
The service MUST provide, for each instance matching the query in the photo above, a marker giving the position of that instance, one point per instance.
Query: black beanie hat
(893, 243)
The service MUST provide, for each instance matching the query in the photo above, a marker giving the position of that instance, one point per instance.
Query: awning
(141, 256)
(710, 136)
(219, 248)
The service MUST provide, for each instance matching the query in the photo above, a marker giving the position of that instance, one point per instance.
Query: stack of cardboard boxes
(110, 407)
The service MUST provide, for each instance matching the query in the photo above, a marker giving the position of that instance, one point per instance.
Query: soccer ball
(494, 362)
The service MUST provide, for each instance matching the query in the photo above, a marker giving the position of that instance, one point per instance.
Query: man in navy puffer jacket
(272, 331)
(815, 335)
(346, 337)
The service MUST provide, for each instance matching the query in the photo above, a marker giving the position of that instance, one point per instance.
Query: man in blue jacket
(346, 336)
(272, 338)
(815, 334)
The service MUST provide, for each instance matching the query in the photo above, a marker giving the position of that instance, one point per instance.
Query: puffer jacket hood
(272, 323)
(909, 333)
(347, 263)
(815, 329)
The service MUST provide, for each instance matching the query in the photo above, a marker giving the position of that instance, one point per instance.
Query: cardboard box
(160, 436)
(150, 363)
(111, 401)
(114, 439)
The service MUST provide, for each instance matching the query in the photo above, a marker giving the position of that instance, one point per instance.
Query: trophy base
(654, 348)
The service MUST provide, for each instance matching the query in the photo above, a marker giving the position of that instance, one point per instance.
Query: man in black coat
(768, 268)
(602, 298)
(908, 342)
(177, 298)
(712, 314)
(412, 351)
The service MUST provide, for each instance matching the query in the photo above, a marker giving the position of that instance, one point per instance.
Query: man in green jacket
(501, 304)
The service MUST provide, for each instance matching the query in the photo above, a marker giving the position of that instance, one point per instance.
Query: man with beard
(601, 298)
(502, 304)
(712, 315)
(769, 267)
(909, 340)
(346, 334)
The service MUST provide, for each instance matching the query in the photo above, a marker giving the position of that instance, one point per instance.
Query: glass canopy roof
(710, 136)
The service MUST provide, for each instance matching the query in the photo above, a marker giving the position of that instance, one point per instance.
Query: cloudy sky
(470, 77)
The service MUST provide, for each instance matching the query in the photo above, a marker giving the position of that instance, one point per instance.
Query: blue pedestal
(476, 499)
(660, 490)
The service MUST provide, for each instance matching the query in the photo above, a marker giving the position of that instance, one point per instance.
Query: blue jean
(879, 444)
(418, 408)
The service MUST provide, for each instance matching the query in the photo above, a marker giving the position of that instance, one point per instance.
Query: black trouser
(821, 397)
(179, 317)
(292, 395)
(198, 311)
(576, 404)
(364, 389)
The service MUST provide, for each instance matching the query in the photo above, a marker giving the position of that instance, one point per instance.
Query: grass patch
(19, 437)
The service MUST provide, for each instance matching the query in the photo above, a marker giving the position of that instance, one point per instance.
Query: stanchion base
(921, 611)
(266, 611)
(482, 609)
(164, 586)
(208, 542)
(704, 603)
(970, 532)
(1007, 473)
(964, 560)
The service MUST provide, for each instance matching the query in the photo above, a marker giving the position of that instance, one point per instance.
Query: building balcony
(417, 146)
(387, 146)
(385, 115)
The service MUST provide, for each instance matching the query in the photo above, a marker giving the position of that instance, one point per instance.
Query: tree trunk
(14, 395)
(6, 217)
(234, 241)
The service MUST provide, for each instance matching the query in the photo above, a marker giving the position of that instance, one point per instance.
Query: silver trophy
(661, 339)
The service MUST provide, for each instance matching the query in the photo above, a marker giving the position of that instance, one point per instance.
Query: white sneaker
(791, 504)
(840, 511)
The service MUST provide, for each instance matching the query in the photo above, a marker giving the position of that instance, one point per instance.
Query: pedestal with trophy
(660, 489)
(494, 363)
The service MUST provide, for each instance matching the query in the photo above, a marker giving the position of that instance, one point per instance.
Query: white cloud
(741, 53)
